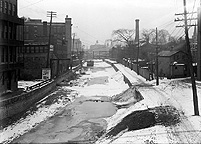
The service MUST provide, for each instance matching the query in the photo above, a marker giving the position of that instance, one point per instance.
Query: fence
(144, 72)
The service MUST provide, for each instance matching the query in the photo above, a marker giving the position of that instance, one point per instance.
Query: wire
(31, 4)
(192, 11)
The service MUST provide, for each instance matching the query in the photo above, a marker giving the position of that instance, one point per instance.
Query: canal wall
(19, 103)
(116, 69)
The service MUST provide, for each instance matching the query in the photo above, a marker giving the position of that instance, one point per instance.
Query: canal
(73, 112)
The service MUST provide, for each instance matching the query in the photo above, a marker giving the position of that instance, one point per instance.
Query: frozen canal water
(75, 111)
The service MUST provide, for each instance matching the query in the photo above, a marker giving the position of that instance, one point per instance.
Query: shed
(172, 64)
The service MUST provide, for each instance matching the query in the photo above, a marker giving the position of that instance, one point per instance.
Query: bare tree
(147, 35)
(163, 36)
(123, 36)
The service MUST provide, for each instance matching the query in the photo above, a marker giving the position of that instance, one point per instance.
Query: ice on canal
(75, 111)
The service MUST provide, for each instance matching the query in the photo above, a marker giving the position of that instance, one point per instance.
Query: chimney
(137, 30)
(45, 28)
(68, 34)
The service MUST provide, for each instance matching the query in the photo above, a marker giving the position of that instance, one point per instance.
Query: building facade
(11, 40)
(36, 39)
(76, 45)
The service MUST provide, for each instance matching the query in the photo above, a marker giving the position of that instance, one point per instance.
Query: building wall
(11, 39)
(68, 35)
(168, 69)
(164, 66)
(37, 36)
(34, 59)
(76, 45)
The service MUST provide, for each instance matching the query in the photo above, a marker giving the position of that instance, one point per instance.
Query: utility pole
(157, 78)
(73, 41)
(137, 39)
(195, 99)
(50, 14)
(199, 45)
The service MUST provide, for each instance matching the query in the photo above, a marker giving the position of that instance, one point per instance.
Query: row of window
(8, 8)
(8, 54)
(33, 49)
(55, 29)
(10, 30)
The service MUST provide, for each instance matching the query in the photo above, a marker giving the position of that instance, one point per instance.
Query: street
(75, 111)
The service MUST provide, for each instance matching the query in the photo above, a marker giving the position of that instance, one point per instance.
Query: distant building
(99, 51)
(172, 64)
(76, 45)
(11, 41)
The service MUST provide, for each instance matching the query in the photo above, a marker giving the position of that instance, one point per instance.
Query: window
(2, 54)
(10, 9)
(37, 49)
(14, 54)
(27, 28)
(14, 11)
(6, 7)
(6, 54)
(1, 5)
(1, 30)
(5, 32)
(35, 29)
(9, 32)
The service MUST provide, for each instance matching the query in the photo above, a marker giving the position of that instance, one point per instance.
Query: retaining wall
(14, 105)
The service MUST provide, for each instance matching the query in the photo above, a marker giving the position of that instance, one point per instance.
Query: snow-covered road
(175, 93)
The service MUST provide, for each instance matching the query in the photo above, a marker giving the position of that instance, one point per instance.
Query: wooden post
(195, 99)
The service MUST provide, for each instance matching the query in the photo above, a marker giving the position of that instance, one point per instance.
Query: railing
(38, 85)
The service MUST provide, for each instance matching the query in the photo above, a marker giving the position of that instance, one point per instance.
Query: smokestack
(137, 31)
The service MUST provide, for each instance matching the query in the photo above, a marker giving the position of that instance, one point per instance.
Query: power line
(90, 35)
(193, 10)
(31, 4)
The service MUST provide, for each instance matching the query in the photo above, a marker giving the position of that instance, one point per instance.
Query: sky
(94, 20)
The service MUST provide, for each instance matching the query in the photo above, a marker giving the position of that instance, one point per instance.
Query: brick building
(36, 37)
(11, 40)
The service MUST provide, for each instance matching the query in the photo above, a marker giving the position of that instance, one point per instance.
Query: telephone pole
(50, 14)
(137, 40)
(157, 78)
(199, 45)
(195, 99)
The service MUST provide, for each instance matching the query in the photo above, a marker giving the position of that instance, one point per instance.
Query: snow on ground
(175, 92)
(87, 85)
(113, 84)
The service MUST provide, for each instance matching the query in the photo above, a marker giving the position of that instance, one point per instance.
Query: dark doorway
(9, 78)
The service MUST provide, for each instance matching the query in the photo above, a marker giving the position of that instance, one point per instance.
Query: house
(172, 64)
(11, 40)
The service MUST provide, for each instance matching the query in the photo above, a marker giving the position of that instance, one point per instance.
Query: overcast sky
(96, 19)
